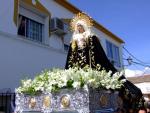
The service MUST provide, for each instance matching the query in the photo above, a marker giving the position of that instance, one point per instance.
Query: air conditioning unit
(58, 27)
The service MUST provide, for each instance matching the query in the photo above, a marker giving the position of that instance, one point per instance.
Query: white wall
(103, 37)
(59, 11)
(56, 9)
(145, 87)
(20, 57)
(56, 42)
(6, 16)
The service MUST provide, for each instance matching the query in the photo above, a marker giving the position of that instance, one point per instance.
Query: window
(66, 47)
(30, 29)
(113, 53)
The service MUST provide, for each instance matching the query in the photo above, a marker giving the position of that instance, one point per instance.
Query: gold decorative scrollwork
(103, 100)
(32, 103)
(65, 101)
(46, 101)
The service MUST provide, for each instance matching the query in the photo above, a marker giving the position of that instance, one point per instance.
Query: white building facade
(34, 36)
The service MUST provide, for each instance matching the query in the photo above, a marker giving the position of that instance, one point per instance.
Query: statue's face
(80, 28)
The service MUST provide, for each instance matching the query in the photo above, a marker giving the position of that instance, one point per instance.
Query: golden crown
(81, 17)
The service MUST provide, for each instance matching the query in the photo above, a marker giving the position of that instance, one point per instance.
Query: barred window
(30, 29)
(66, 47)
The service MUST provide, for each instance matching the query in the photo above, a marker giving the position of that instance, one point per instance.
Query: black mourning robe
(92, 55)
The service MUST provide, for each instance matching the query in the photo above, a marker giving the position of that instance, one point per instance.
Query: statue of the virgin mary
(86, 50)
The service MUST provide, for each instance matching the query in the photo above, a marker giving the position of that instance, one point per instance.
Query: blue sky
(128, 19)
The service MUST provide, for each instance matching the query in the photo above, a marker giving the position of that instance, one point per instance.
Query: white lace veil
(87, 30)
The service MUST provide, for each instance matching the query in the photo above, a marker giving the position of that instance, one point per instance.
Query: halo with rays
(81, 17)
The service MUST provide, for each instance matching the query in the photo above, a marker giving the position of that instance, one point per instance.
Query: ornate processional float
(73, 90)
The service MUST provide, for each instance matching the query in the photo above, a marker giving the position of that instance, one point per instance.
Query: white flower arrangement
(55, 79)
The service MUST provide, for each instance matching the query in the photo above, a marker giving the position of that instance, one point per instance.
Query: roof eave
(75, 10)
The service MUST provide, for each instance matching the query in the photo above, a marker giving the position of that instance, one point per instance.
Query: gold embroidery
(91, 53)
(73, 45)
(78, 57)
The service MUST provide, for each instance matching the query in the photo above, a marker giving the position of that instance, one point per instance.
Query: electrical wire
(136, 67)
(137, 63)
(141, 62)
